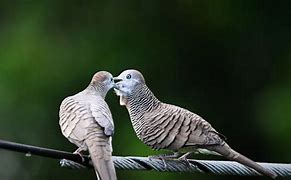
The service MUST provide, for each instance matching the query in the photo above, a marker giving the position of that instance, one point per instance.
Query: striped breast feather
(165, 125)
(202, 133)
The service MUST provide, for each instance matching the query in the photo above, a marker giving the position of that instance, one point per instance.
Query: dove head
(127, 83)
(134, 93)
(102, 81)
(128, 80)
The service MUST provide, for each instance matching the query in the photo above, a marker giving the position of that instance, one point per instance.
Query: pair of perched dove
(86, 121)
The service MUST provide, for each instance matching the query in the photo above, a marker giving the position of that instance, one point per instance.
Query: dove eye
(128, 76)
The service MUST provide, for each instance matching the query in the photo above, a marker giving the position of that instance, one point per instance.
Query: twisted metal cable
(144, 163)
(192, 165)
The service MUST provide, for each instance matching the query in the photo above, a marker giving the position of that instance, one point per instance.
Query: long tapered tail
(101, 155)
(231, 154)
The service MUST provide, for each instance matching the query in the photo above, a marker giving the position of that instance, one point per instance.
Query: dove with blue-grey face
(165, 126)
(86, 121)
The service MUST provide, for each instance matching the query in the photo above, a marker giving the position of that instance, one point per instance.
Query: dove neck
(97, 89)
(142, 100)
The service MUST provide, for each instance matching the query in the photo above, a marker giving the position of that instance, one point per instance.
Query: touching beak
(117, 79)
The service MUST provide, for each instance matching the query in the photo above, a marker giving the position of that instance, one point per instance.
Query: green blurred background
(229, 61)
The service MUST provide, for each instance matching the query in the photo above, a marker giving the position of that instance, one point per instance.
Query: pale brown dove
(86, 121)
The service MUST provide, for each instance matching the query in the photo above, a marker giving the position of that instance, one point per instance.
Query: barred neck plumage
(97, 88)
(141, 101)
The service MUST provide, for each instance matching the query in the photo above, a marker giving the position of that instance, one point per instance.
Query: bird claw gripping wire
(78, 152)
(184, 158)
(164, 157)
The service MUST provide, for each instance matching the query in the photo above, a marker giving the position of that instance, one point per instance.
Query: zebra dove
(165, 126)
(86, 121)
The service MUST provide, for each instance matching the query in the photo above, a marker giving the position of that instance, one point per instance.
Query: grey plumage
(165, 126)
(86, 121)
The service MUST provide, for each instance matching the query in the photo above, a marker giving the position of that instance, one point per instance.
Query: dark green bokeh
(229, 61)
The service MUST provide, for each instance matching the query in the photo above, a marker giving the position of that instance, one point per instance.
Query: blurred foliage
(229, 61)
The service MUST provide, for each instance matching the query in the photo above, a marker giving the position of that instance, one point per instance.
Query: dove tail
(101, 155)
(231, 154)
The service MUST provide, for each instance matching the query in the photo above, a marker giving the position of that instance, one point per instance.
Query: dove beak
(117, 79)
